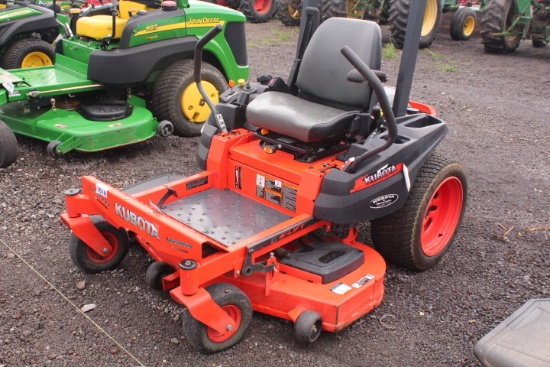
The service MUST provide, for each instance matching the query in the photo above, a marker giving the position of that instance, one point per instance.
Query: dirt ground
(497, 108)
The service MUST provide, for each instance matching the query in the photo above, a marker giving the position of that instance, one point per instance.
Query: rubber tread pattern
(396, 236)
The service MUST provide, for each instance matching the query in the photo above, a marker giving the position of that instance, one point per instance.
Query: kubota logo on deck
(137, 220)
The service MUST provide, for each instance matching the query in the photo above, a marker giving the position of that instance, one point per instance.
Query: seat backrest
(323, 70)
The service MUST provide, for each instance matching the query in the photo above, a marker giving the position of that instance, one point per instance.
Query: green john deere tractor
(394, 12)
(26, 34)
(506, 22)
(127, 66)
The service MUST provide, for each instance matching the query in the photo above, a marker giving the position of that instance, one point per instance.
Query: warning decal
(276, 192)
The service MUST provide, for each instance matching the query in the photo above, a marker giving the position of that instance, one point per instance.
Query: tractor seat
(100, 26)
(326, 103)
(298, 118)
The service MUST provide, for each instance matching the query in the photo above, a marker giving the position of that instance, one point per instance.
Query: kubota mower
(291, 168)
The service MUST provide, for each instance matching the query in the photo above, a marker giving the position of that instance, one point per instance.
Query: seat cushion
(297, 118)
(99, 26)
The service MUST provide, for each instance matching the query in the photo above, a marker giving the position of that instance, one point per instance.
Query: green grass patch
(389, 51)
(444, 63)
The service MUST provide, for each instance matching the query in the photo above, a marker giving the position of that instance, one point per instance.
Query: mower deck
(62, 121)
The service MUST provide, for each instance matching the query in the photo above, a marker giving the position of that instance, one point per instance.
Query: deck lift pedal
(290, 168)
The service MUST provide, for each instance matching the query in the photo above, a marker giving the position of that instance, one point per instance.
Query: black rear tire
(91, 262)
(463, 24)
(8, 146)
(27, 53)
(333, 9)
(289, 12)
(236, 304)
(176, 82)
(258, 11)
(497, 17)
(418, 235)
(399, 14)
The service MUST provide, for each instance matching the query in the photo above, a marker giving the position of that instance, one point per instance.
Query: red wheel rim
(262, 6)
(441, 216)
(235, 313)
(97, 258)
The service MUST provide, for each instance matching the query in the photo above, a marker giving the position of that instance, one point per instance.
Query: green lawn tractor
(128, 65)
(26, 33)
(506, 22)
(396, 13)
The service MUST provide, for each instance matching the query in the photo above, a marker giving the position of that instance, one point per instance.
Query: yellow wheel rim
(193, 106)
(430, 17)
(469, 26)
(35, 59)
(294, 13)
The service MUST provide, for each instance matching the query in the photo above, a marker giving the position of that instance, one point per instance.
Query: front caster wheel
(236, 304)
(90, 261)
(155, 272)
(307, 327)
(418, 235)
(165, 129)
(51, 149)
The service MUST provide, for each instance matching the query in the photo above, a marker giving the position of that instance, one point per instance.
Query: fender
(36, 23)
(340, 201)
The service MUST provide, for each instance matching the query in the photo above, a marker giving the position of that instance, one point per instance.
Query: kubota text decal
(136, 220)
(382, 174)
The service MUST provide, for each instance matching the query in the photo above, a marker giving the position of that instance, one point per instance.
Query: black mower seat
(298, 118)
(327, 102)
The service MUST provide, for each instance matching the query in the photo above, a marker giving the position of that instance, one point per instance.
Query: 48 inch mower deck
(270, 224)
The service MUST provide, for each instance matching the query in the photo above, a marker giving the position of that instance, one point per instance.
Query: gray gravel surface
(498, 113)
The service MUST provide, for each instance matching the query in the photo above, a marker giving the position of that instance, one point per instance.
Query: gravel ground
(497, 110)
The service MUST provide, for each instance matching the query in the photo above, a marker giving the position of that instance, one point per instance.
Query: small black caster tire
(307, 327)
(165, 129)
(51, 149)
(91, 262)
(237, 305)
(155, 272)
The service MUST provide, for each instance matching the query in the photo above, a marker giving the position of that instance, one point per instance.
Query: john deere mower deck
(127, 66)
(290, 169)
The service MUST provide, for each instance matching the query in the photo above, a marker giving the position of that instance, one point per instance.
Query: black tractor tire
(289, 12)
(236, 304)
(91, 262)
(28, 53)
(463, 24)
(399, 14)
(418, 235)
(497, 17)
(176, 97)
(307, 327)
(539, 43)
(8, 146)
(155, 272)
(258, 11)
(333, 9)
